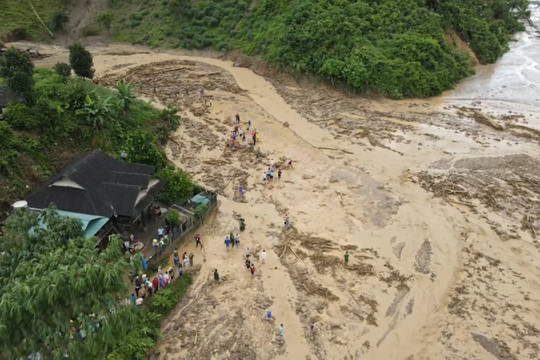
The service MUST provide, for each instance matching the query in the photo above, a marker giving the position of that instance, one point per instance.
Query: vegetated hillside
(67, 118)
(18, 21)
(395, 48)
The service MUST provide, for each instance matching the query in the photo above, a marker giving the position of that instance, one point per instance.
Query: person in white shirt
(263, 256)
(166, 278)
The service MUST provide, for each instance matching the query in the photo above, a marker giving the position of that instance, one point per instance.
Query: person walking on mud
(240, 190)
(237, 118)
(252, 269)
(254, 137)
(227, 241)
(263, 256)
(216, 276)
(249, 124)
(346, 257)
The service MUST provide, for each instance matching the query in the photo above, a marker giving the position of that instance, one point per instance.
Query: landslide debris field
(438, 210)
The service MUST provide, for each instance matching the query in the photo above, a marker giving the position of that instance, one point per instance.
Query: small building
(97, 187)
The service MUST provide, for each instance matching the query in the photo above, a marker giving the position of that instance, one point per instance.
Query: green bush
(141, 147)
(20, 117)
(62, 69)
(105, 19)
(173, 217)
(200, 210)
(58, 21)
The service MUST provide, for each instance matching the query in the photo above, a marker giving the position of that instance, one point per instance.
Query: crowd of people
(146, 288)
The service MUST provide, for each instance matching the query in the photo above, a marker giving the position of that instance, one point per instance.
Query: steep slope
(395, 48)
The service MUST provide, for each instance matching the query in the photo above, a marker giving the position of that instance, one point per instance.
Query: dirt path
(447, 276)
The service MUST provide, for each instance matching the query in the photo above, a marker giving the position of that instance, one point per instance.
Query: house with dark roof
(99, 185)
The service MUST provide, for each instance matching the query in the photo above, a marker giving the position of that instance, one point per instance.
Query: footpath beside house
(104, 193)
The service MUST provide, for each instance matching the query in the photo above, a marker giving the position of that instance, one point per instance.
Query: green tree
(125, 95)
(17, 70)
(81, 61)
(62, 69)
(178, 185)
(141, 147)
(58, 295)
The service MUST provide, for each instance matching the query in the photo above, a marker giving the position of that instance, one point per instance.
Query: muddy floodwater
(436, 201)
(513, 83)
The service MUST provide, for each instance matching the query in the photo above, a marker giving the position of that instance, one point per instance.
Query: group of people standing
(236, 135)
(145, 288)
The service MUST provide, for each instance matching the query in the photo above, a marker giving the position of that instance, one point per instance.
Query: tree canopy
(396, 48)
(58, 294)
(81, 61)
(17, 70)
(178, 187)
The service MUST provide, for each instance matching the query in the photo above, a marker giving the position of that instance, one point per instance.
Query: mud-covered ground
(436, 204)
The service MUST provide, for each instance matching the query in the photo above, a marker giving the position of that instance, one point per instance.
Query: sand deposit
(438, 211)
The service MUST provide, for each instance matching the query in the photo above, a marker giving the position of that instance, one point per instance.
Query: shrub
(62, 69)
(20, 117)
(80, 60)
(141, 147)
(173, 217)
(105, 19)
(58, 20)
(178, 187)
(200, 210)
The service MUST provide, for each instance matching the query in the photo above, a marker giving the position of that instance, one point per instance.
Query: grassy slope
(396, 48)
(17, 14)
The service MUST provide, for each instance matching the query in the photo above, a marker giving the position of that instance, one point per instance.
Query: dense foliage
(143, 335)
(68, 117)
(62, 298)
(179, 186)
(62, 69)
(58, 295)
(17, 71)
(396, 48)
